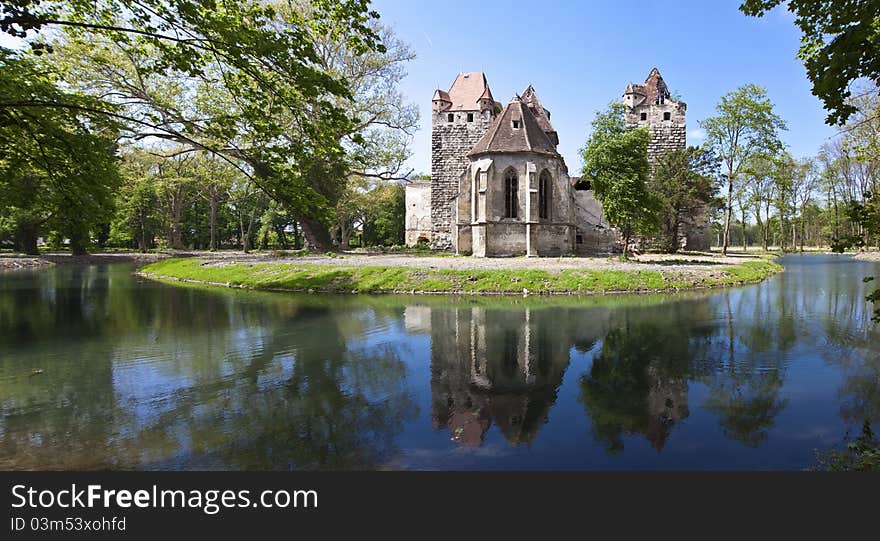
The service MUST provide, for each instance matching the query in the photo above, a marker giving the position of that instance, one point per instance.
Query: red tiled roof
(467, 90)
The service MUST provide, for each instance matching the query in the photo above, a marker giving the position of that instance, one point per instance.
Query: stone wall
(418, 212)
(483, 229)
(666, 134)
(450, 144)
(593, 235)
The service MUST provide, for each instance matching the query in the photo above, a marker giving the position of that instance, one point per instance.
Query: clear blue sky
(580, 55)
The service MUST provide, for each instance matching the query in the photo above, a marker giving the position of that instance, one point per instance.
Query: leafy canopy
(840, 44)
(58, 168)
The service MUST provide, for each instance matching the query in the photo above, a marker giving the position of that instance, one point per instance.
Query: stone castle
(499, 187)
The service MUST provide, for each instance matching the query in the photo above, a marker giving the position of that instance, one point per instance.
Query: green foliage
(385, 216)
(862, 454)
(840, 44)
(744, 126)
(684, 183)
(57, 165)
(241, 80)
(616, 163)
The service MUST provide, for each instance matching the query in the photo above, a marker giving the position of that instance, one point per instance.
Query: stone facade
(593, 235)
(478, 148)
(418, 212)
(459, 118)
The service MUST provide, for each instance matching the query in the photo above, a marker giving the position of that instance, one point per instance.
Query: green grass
(347, 279)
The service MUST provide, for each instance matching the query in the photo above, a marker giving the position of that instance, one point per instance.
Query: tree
(745, 126)
(804, 185)
(239, 82)
(58, 167)
(616, 163)
(385, 216)
(684, 184)
(760, 187)
(840, 44)
(137, 220)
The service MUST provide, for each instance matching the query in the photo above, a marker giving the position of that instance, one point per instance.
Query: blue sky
(579, 55)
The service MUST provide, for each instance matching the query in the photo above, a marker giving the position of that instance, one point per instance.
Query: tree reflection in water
(100, 370)
(160, 377)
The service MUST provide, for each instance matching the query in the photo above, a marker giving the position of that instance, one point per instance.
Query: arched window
(544, 195)
(511, 197)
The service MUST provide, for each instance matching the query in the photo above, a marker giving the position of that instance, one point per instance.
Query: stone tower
(650, 104)
(460, 117)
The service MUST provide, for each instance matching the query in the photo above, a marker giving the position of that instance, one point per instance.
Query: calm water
(141, 375)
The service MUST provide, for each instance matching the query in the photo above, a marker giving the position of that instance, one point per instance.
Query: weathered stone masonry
(450, 144)
(499, 186)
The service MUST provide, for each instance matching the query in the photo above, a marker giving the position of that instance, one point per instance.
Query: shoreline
(330, 277)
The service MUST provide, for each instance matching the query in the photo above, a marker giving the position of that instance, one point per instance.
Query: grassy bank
(372, 279)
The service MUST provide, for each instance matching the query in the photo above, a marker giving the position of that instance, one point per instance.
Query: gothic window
(644, 116)
(470, 117)
(544, 187)
(511, 198)
(667, 116)
(450, 117)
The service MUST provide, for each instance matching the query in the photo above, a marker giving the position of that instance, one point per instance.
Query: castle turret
(460, 117)
(652, 105)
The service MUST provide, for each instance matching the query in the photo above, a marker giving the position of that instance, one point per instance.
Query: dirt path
(668, 262)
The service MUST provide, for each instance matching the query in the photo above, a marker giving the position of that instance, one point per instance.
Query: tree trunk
(78, 246)
(297, 238)
(282, 238)
(727, 215)
(242, 236)
(782, 232)
(176, 237)
(803, 229)
(317, 238)
(247, 234)
(345, 237)
(744, 227)
(25, 240)
(213, 203)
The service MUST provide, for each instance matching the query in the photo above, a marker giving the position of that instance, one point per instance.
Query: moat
(102, 369)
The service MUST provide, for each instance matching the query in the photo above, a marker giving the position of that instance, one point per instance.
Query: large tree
(231, 78)
(744, 126)
(58, 166)
(840, 44)
(684, 182)
(616, 163)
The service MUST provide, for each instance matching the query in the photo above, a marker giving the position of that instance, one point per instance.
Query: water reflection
(500, 366)
(102, 370)
(148, 376)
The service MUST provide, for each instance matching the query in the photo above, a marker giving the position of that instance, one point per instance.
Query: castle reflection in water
(504, 367)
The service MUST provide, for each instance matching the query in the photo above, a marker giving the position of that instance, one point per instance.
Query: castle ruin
(499, 187)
